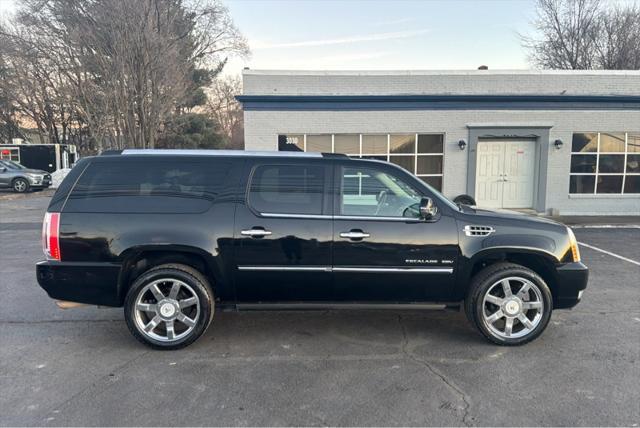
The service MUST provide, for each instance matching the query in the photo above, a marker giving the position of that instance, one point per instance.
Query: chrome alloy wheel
(512, 307)
(166, 310)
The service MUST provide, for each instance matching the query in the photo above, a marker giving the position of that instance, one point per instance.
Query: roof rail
(110, 152)
(182, 152)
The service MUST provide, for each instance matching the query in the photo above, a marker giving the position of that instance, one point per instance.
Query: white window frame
(597, 172)
(388, 153)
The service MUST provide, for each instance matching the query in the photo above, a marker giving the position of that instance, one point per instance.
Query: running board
(340, 306)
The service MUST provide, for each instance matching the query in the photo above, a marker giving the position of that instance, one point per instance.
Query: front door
(283, 233)
(383, 251)
(505, 175)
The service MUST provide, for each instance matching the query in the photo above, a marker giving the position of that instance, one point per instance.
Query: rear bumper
(572, 279)
(91, 283)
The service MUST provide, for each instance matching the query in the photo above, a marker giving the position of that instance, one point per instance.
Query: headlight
(575, 251)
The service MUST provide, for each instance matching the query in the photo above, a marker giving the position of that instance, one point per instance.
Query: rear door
(383, 251)
(283, 232)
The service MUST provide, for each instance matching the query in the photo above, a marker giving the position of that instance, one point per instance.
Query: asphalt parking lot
(81, 367)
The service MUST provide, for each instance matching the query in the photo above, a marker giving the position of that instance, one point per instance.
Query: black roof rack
(334, 155)
(110, 152)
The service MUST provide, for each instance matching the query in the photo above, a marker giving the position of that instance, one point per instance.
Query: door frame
(538, 133)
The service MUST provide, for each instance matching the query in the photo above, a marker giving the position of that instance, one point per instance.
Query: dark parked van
(171, 235)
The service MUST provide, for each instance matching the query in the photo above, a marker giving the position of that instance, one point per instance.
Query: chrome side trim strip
(279, 215)
(286, 268)
(294, 306)
(344, 269)
(395, 270)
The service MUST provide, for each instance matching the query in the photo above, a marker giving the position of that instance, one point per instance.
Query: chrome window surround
(341, 217)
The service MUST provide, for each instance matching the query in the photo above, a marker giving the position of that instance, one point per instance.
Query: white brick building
(566, 142)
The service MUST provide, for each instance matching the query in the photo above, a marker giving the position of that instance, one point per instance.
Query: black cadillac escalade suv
(171, 235)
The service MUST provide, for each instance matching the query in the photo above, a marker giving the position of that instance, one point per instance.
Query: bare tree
(617, 45)
(226, 110)
(32, 87)
(126, 65)
(585, 34)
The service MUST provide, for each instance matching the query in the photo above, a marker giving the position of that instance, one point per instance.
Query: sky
(377, 34)
(382, 35)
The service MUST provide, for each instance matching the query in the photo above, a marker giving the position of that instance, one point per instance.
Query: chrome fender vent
(470, 230)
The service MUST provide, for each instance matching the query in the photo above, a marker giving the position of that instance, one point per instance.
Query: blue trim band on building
(439, 102)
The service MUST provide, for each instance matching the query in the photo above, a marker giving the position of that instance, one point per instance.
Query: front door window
(372, 193)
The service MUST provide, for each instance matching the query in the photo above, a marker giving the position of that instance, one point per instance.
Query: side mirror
(428, 210)
(3, 169)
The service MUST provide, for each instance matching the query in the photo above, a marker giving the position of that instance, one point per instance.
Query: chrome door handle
(354, 235)
(255, 233)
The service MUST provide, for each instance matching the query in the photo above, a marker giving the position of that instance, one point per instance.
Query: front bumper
(91, 283)
(40, 182)
(571, 280)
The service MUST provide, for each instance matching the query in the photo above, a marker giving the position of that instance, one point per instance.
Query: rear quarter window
(149, 186)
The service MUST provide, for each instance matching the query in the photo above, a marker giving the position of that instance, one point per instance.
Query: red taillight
(51, 236)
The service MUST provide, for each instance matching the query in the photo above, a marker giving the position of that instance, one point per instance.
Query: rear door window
(287, 189)
(149, 186)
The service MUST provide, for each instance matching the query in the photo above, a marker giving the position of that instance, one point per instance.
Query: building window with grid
(420, 154)
(605, 163)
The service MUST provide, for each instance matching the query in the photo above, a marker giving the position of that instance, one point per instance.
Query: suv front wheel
(509, 304)
(169, 306)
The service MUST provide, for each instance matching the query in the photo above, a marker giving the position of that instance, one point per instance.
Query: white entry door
(505, 174)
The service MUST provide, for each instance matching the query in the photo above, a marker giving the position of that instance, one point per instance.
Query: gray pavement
(82, 367)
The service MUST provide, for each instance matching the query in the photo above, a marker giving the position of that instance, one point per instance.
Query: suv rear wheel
(169, 306)
(509, 304)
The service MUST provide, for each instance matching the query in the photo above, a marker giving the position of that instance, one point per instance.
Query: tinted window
(149, 186)
(287, 189)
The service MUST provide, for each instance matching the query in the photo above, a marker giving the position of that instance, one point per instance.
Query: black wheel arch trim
(467, 264)
(214, 270)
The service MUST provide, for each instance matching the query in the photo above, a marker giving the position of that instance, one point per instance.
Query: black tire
(20, 185)
(488, 278)
(195, 281)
